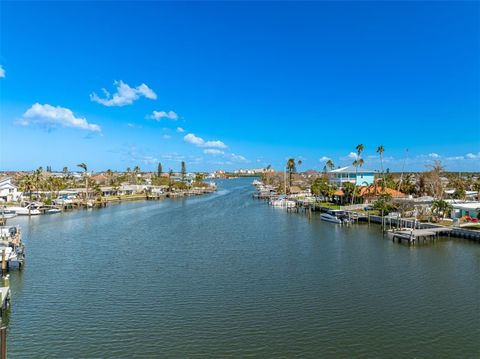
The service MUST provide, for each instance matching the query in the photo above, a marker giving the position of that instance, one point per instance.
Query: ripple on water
(226, 276)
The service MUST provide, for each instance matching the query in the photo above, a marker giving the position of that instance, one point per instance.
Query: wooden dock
(416, 236)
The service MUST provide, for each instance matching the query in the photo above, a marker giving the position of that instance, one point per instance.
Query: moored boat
(335, 216)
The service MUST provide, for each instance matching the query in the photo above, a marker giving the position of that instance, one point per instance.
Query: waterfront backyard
(223, 275)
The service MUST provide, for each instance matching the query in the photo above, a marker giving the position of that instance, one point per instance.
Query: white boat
(257, 183)
(282, 202)
(52, 211)
(10, 245)
(335, 216)
(29, 210)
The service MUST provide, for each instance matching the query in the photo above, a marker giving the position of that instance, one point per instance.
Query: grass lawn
(328, 205)
(475, 227)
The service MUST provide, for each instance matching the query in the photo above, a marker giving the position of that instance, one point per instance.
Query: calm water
(226, 276)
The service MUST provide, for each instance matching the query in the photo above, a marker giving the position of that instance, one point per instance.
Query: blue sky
(238, 85)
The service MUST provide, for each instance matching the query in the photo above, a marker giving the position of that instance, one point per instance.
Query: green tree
(349, 190)
(330, 165)
(380, 150)
(109, 173)
(159, 169)
(322, 187)
(83, 166)
(291, 169)
(183, 171)
(384, 204)
(441, 208)
(358, 163)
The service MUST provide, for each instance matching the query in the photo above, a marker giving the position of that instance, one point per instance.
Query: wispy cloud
(137, 155)
(433, 155)
(2, 71)
(51, 117)
(125, 95)
(180, 130)
(473, 156)
(158, 115)
(200, 142)
(213, 151)
(166, 137)
(324, 159)
(238, 158)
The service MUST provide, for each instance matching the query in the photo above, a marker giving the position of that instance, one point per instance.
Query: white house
(361, 177)
(8, 191)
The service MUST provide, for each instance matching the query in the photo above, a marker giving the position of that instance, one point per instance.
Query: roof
(377, 191)
(350, 169)
(467, 205)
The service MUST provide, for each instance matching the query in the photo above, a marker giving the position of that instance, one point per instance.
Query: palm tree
(291, 168)
(330, 164)
(27, 185)
(183, 171)
(358, 162)
(85, 174)
(136, 171)
(441, 207)
(380, 150)
(110, 176)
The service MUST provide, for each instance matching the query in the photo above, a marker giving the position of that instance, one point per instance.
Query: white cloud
(455, 158)
(2, 71)
(473, 156)
(51, 117)
(238, 158)
(212, 151)
(352, 155)
(215, 144)
(180, 130)
(200, 142)
(324, 158)
(167, 137)
(158, 115)
(125, 95)
(433, 155)
(194, 140)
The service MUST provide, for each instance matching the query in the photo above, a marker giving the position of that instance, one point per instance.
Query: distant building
(360, 177)
(8, 191)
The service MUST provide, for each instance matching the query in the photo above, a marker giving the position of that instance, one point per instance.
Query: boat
(335, 216)
(283, 202)
(28, 210)
(11, 245)
(52, 210)
(257, 183)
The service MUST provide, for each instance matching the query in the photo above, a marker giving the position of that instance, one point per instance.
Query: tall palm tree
(291, 168)
(357, 163)
(27, 185)
(83, 166)
(110, 176)
(136, 171)
(380, 150)
(329, 164)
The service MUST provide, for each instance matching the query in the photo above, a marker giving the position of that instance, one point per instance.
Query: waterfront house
(8, 191)
(470, 209)
(359, 177)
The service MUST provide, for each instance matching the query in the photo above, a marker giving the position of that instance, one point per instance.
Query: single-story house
(460, 210)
